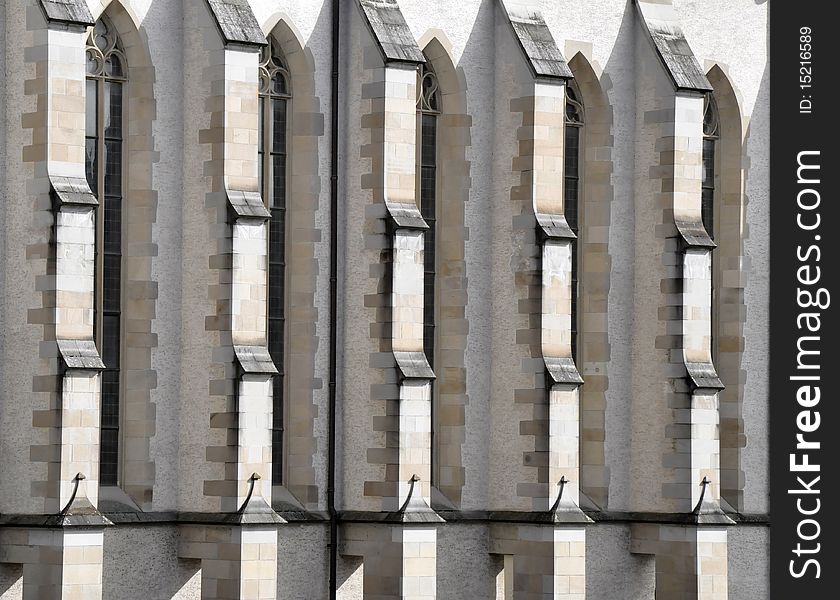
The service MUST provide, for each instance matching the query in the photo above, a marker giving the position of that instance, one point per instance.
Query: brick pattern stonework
(595, 214)
(729, 275)
(304, 383)
(140, 288)
(541, 562)
(237, 563)
(462, 482)
(450, 388)
(687, 562)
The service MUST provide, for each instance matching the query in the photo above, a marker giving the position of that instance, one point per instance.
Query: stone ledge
(536, 41)
(60, 521)
(413, 365)
(362, 516)
(554, 227)
(72, 191)
(694, 234)
(68, 12)
(405, 216)
(562, 370)
(246, 204)
(448, 516)
(254, 359)
(391, 32)
(659, 20)
(237, 22)
(237, 518)
(80, 354)
(703, 376)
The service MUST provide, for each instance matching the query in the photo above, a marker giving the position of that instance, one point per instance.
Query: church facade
(308, 299)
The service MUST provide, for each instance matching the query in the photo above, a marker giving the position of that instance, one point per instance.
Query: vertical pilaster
(691, 556)
(542, 562)
(64, 558)
(399, 554)
(691, 561)
(547, 559)
(237, 563)
(400, 561)
(239, 557)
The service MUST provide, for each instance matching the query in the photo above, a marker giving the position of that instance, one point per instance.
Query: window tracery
(106, 68)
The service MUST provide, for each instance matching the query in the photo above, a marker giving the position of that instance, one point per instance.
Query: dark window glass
(113, 110)
(707, 202)
(91, 161)
(428, 189)
(273, 172)
(708, 186)
(104, 170)
(91, 122)
(571, 206)
(91, 128)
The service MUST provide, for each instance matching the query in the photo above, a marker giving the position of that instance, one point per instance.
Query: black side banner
(804, 418)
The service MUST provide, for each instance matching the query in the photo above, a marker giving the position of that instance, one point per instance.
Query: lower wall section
(465, 569)
(140, 564)
(749, 562)
(612, 573)
(303, 562)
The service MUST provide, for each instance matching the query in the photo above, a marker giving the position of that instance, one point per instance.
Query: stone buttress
(233, 529)
(691, 548)
(546, 558)
(61, 549)
(399, 551)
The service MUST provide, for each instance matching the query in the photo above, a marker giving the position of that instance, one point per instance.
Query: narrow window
(274, 98)
(428, 108)
(573, 130)
(428, 111)
(106, 76)
(710, 137)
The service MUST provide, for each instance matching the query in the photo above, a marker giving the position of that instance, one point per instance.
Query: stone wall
(500, 420)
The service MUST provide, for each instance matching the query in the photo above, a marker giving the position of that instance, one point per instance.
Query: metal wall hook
(253, 480)
(78, 479)
(705, 485)
(562, 483)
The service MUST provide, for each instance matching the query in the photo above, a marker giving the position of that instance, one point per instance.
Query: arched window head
(711, 119)
(571, 193)
(275, 95)
(428, 113)
(105, 57)
(428, 90)
(107, 71)
(574, 108)
(274, 76)
(428, 110)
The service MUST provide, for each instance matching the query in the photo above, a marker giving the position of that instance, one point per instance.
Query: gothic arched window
(275, 94)
(572, 187)
(428, 111)
(710, 136)
(711, 133)
(106, 77)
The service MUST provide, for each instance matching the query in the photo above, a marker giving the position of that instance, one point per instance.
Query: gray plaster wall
(162, 23)
(471, 572)
(23, 224)
(611, 571)
(303, 561)
(312, 23)
(728, 33)
(141, 564)
(731, 35)
(749, 565)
